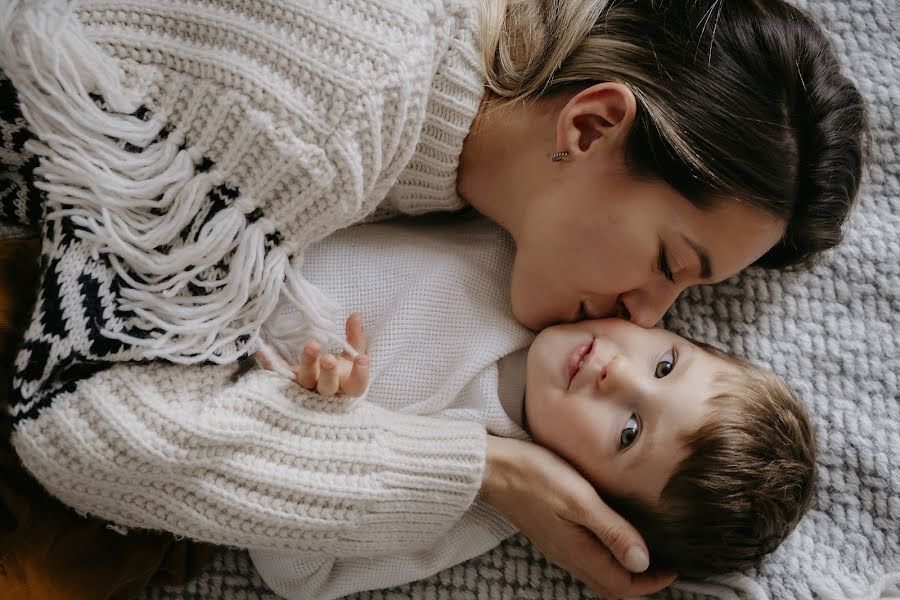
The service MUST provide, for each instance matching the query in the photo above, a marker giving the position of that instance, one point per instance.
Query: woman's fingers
(560, 511)
(598, 569)
(356, 334)
(356, 382)
(617, 534)
(307, 372)
(644, 584)
(601, 572)
(328, 376)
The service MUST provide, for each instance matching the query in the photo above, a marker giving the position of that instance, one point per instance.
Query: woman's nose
(645, 307)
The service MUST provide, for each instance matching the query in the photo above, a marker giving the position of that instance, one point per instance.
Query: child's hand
(330, 374)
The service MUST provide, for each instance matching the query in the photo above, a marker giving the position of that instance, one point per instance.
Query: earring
(560, 156)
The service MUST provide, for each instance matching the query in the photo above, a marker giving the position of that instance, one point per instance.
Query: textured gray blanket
(833, 333)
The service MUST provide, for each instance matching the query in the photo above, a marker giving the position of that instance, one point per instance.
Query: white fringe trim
(285, 332)
(113, 195)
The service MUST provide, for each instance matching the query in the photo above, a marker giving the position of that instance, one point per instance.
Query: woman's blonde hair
(736, 99)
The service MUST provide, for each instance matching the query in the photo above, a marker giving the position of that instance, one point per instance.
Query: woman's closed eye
(662, 263)
(666, 364)
(630, 432)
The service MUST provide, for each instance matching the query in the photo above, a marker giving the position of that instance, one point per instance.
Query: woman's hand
(561, 513)
(328, 374)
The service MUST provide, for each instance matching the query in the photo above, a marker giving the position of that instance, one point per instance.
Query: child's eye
(665, 365)
(630, 432)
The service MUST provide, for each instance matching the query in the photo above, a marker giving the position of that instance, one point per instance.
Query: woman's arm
(561, 513)
(261, 463)
(299, 576)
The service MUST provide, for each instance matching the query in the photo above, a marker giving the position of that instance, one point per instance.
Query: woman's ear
(597, 119)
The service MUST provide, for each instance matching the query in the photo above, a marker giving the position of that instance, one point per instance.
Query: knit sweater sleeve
(261, 464)
(205, 146)
(298, 576)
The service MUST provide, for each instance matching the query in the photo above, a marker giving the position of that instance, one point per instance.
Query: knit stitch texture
(178, 158)
(425, 290)
(833, 333)
(189, 151)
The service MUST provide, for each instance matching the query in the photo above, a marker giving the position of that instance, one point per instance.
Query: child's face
(615, 400)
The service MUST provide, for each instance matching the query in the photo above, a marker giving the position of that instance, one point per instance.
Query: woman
(179, 156)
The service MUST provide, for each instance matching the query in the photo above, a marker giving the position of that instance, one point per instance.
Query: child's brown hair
(747, 481)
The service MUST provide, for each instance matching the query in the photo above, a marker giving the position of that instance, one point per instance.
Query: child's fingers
(328, 376)
(356, 382)
(271, 360)
(356, 334)
(307, 372)
(263, 360)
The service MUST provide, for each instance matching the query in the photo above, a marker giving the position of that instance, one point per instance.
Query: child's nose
(611, 372)
(620, 377)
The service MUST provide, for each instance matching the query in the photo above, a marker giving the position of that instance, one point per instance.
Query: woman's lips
(577, 359)
(582, 312)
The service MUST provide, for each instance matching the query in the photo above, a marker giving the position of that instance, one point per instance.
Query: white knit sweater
(179, 156)
(443, 342)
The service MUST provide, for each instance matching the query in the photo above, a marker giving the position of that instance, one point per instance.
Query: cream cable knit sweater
(177, 156)
(442, 342)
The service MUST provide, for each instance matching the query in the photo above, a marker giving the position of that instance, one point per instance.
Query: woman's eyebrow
(702, 256)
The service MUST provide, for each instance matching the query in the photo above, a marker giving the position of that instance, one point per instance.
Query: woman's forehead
(728, 238)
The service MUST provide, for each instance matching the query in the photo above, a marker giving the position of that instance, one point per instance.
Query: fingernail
(636, 560)
(362, 361)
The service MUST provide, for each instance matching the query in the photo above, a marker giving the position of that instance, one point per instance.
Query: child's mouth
(577, 359)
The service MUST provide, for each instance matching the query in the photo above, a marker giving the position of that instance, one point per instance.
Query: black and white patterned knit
(176, 159)
(20, 200)
(79, 297)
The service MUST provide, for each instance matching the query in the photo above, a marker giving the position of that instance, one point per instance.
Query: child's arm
(327, 374)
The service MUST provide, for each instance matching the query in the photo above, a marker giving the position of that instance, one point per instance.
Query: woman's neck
(505, 153)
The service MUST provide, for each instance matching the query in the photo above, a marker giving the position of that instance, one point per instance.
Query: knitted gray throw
(833, 333)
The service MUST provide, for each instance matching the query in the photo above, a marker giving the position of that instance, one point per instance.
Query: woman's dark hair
(737, 99)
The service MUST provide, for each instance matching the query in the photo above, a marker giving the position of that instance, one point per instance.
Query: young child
(711, 458)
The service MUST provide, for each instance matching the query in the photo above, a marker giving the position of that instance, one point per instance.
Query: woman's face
(601, 242)
(593, 240)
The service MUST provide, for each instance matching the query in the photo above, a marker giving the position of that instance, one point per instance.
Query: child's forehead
(710, 375)
(717, 364)
(726, 380)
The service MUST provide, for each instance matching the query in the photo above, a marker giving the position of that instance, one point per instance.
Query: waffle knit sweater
(178, 159)
(443, 343)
